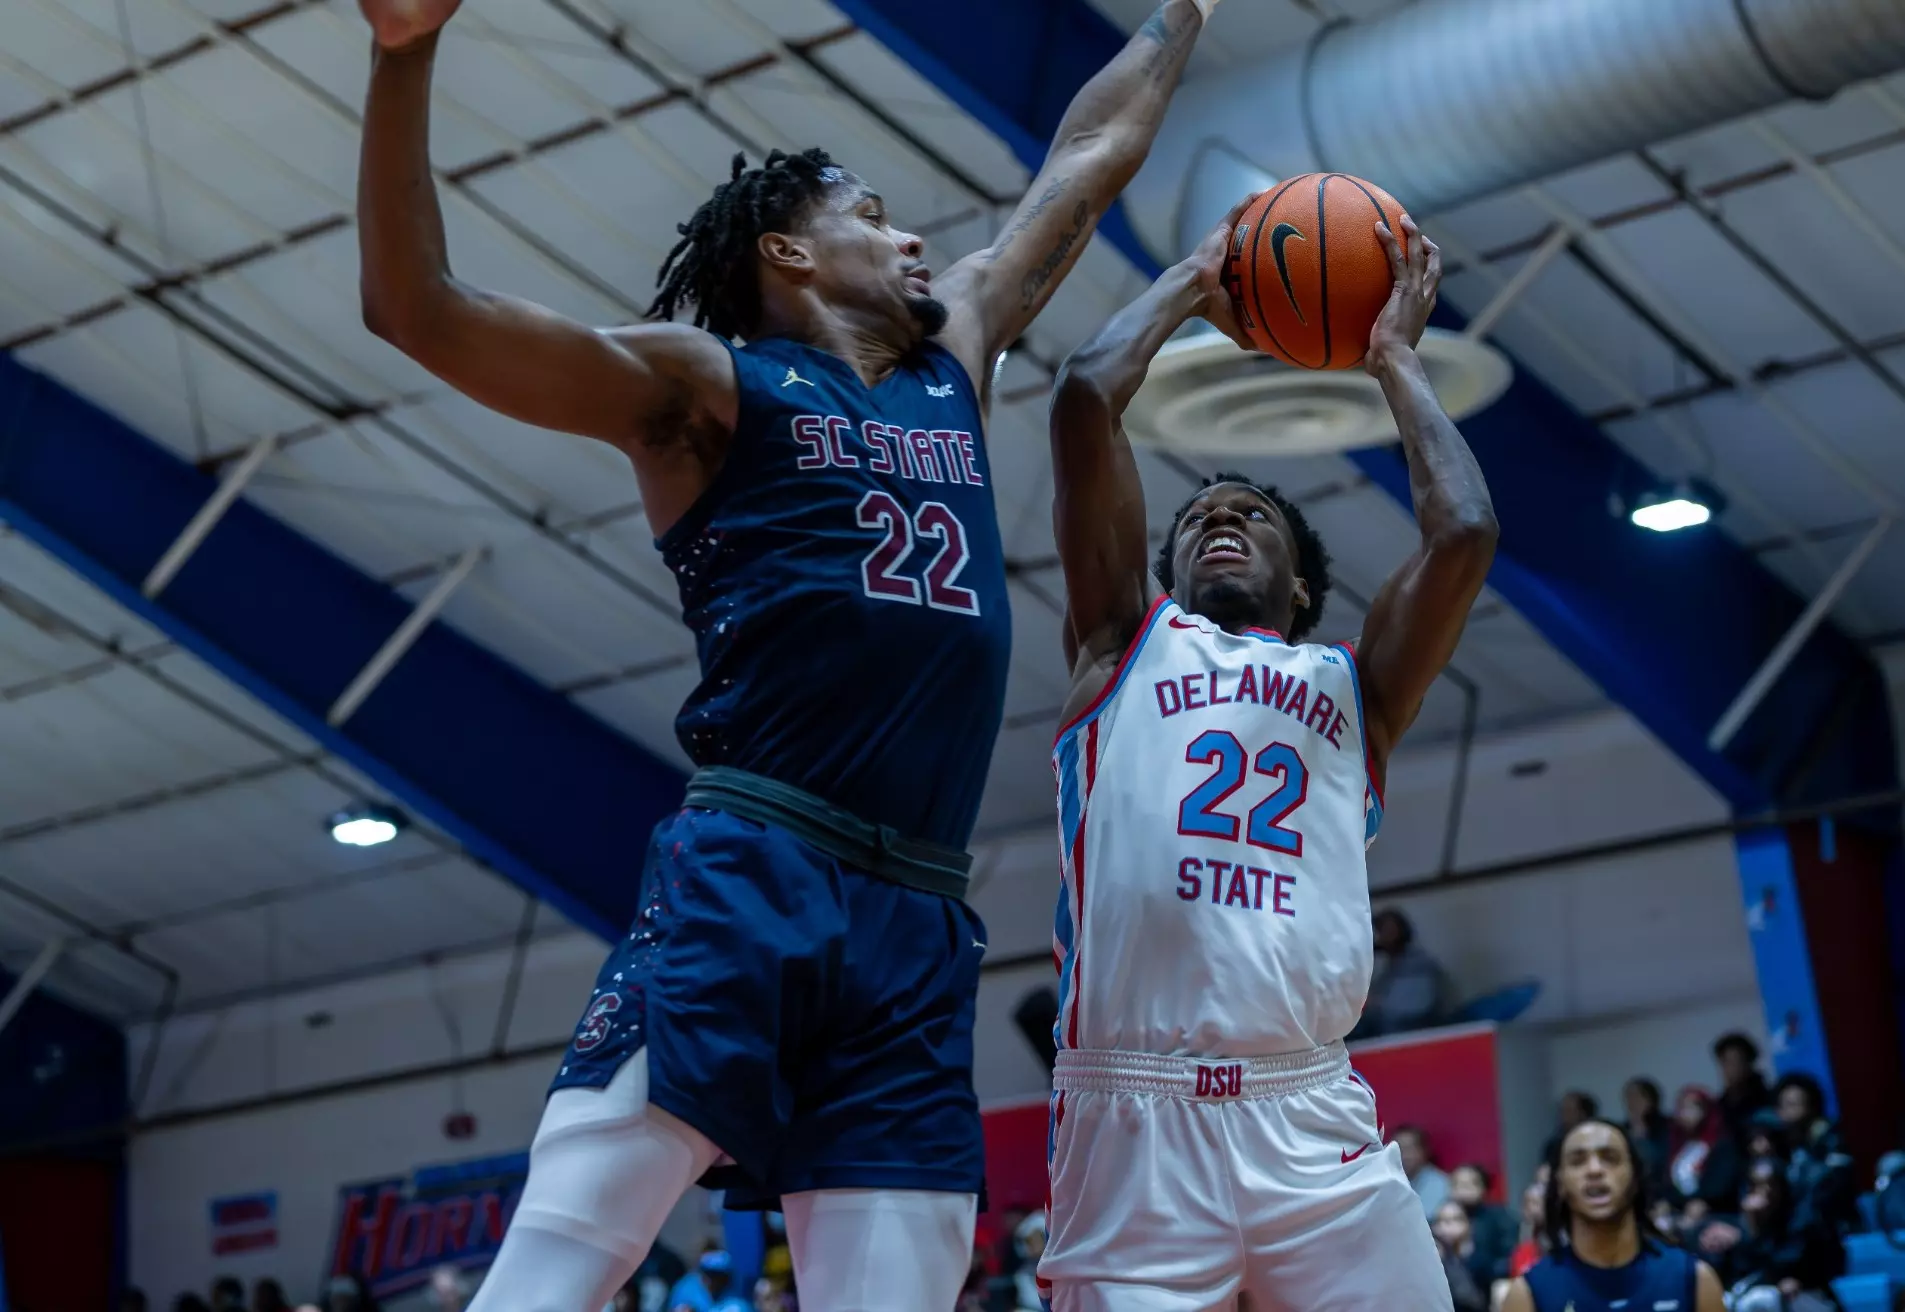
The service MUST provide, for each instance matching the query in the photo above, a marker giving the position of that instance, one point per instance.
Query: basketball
(1307, 274)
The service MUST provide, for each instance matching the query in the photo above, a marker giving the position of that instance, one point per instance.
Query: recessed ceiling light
(1672, 507)
(367, 825)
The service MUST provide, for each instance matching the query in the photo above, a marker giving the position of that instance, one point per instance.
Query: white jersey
(1214, 806)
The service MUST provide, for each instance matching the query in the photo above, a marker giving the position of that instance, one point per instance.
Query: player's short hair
(1806, 1084)
(1405, 929)
(712, 267)
(1312, 560)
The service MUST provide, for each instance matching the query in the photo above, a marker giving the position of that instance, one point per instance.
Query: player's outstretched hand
(400, 23)
(1418, 276)
(1211, 264)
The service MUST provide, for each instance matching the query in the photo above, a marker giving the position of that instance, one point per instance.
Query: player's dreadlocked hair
(1556, 1218)
(1312, 561)
(712, 266)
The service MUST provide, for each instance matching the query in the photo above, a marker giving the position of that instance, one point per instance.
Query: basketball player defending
(1603, 1252)
(795, 999)
(1218, 782)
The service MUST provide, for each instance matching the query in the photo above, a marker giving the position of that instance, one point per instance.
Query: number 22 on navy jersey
(846, 586)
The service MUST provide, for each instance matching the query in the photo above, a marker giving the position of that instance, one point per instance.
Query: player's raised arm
(649, 389)
(1098, 512)
(1418, 616)
(995, 293)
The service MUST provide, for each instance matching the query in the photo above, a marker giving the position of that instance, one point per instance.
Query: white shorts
(1179, 1184)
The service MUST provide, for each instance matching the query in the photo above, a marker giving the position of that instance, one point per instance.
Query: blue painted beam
(550, 797)
(1669, 626)
(1672, 625)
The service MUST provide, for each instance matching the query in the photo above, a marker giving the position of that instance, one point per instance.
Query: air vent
(1206, 395)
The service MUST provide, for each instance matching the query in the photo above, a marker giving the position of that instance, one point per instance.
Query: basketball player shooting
(794, 1002)
(1219, 780)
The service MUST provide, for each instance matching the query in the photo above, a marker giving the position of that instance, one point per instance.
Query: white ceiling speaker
(1208, 396)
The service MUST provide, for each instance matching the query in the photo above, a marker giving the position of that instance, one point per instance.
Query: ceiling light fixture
(367, 825)
(1674, 506)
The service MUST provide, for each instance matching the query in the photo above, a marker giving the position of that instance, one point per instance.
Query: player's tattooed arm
(1418, 616)
(1098, 511)
(1106, 134)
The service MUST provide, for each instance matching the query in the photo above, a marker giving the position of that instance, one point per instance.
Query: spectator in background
(228, 1294)
(133, 1299)
(1648, 1128)
(1769, 1265)
(708, 1288)
(653, 1280)
(1819, 1172)
(1408, 988)
(1743, 1090)
(447, 1291)
(1493, 1230)
(267, 1295)
(190, 1303)
(1028, 1245)
(1533, 1243)
(977, 1294)
(348, 1294)
(1430, 1182)
(1466, 1269)
(1573, 1108)
(1703, 1163)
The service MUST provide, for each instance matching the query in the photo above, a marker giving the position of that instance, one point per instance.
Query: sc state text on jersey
(937, 455)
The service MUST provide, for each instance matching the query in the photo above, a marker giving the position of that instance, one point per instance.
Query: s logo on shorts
(596, 1022)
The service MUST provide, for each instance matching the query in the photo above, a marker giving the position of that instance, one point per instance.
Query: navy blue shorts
(813, 1021)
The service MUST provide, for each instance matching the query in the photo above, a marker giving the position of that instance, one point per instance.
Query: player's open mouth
(919, 281)
(1596, 1193)
(1223, 546)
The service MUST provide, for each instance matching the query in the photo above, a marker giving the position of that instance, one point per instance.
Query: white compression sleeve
(605, 1171)
(879, 1250)
(1205, 6)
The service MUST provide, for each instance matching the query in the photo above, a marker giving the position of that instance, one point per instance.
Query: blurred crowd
(1752, 1178)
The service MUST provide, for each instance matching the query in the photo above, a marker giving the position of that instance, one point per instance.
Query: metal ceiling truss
(532, 786)
(1670, 627)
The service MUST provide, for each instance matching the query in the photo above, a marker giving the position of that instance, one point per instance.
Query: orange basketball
(1307, 275)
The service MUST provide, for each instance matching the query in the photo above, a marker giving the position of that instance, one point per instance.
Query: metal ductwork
(1447, 101)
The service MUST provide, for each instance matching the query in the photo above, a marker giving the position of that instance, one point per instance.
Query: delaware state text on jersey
(1214, 806)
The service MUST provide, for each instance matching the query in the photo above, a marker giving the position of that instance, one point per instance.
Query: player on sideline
(1603, 1252)
(1218, 783)
(796, 996)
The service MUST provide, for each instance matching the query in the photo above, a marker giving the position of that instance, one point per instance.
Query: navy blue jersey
(1661, 1279)
(845, 583)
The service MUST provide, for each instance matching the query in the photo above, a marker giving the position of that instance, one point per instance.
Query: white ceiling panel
(1858, 115)
(1850, 277)
(899, 91)
(239, 87)
(1686, 269)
